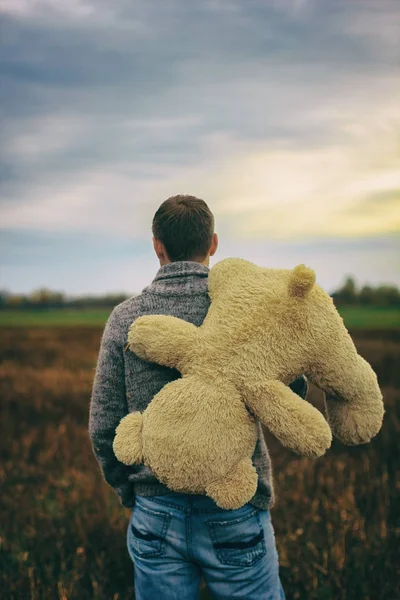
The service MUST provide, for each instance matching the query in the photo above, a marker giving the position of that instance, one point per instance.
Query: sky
(283, 115)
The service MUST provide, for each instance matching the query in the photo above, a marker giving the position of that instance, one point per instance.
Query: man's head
(183, 229)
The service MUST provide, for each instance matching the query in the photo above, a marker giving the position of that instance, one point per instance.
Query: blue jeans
(174, 540)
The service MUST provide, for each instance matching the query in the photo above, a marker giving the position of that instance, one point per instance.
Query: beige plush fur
(264, 328)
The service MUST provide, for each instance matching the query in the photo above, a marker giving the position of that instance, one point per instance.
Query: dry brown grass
(63, 530)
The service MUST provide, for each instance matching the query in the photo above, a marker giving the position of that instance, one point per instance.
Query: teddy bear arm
(162, 339)
(296, 423)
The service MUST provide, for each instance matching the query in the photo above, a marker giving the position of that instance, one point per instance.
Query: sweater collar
(181, 268)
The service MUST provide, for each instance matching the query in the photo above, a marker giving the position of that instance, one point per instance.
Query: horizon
(70, 296)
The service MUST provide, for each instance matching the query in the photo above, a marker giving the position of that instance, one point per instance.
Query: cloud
(377, 28)
(282, 115)
(278, 188)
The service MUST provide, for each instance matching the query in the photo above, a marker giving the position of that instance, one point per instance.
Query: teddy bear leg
(297, 424)
(237, 487)
(127, 444)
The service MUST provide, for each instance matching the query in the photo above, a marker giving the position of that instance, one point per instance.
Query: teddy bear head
(286, 325)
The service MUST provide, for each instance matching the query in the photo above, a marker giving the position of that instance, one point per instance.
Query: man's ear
(159, 249)
(214, 244)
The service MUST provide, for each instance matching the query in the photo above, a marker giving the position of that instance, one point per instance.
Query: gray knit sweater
(125, 383)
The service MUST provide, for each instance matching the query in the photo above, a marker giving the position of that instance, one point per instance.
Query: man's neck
(205, 262)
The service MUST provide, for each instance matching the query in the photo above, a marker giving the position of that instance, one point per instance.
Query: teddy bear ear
(301, 280)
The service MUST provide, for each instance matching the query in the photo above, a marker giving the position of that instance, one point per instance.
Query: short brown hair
(185, 225)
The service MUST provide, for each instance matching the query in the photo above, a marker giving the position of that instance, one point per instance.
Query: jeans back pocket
(147, 531)
(239, 541)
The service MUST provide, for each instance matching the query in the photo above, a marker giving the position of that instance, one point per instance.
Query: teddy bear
(264, 328)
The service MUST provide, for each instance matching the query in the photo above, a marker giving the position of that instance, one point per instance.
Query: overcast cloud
(283, 115)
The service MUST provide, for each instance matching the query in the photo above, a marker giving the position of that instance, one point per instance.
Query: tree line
(44, 298)
(380, 296)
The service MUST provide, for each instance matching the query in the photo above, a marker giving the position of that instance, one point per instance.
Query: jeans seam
(189, 535)
(233, 521)
(154, 513)
(166, 519)
(204, 511)
(242, 563)
(223, 556)
(161, 503)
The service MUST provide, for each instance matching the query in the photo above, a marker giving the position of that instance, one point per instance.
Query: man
(174, 539)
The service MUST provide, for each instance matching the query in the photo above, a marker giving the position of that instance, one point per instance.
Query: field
(57, 317)
(354, 317)
(63, 531)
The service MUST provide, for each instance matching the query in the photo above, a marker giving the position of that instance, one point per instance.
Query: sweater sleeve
(108, 406)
